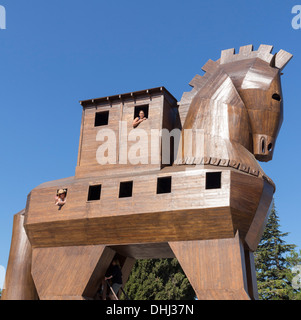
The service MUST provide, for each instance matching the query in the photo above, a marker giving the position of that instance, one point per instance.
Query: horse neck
(218, 110)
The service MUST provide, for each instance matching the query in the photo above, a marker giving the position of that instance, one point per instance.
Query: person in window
(139, 119)
(114, 275)
(60, 198)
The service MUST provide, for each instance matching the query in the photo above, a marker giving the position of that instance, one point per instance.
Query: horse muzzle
(263, 147)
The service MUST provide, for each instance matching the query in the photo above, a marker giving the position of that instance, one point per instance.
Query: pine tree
(294, 260)
(274, 260)
(158, 279)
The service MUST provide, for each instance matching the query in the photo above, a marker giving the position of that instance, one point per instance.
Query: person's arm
(114, 272)
(136, 122)
(61, 202)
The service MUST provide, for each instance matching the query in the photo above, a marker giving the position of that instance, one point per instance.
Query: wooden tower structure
(201, 196)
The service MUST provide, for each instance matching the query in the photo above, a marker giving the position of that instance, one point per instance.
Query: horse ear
(280, 59)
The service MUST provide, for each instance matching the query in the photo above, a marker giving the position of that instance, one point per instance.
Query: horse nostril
(263, 146)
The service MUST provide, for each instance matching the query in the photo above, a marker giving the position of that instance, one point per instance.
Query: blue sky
(55, 53)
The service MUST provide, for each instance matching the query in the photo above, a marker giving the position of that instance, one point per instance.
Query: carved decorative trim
(220, 163)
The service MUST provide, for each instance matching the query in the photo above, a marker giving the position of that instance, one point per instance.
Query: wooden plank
(145, 250)
(69, 271)
(259, 222)
(19, 284)
(245, 197)
(142, 228)
(215, 268)
(282, 59)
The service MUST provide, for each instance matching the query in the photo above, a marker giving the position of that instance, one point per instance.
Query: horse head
(256, 76)
(247, 85)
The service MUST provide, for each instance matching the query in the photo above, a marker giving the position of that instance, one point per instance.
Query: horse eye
(276, 96)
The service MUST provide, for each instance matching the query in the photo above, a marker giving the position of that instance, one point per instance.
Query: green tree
(294, 260)
(158, 279)
(274, 260)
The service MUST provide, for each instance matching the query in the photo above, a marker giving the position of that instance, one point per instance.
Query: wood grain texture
(261, 216)
(163, 113)
(144, 218)
(69, 272)
(18, 283)
(251, 275)
(153, 227)
(215, 268)
(127, 269)
(145, 250)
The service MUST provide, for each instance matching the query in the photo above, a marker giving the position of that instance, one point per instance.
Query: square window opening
(144, 108)
(94, 192)
(126, 189)
(213, 180)
(101, 118)
(164, 185)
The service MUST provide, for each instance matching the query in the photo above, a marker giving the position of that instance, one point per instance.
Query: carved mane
(278, 60)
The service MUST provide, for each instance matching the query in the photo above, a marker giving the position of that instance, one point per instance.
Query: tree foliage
(274, 260)
(158, 279)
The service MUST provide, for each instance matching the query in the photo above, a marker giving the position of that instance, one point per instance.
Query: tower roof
(129, 95)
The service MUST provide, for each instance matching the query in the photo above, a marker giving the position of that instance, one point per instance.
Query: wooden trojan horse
(207, 207)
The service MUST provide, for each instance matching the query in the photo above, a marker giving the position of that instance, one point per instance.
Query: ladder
(114, 294)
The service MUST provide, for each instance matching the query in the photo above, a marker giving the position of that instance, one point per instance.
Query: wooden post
(70, 273)
(18, 280)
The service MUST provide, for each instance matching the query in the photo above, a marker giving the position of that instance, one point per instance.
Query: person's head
(141, 114)
(61, 193)
(115, 262)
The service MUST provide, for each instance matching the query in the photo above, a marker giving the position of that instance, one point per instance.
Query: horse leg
(70, 273)
(217, 269)
(19, 284)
